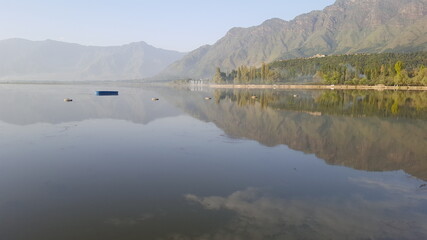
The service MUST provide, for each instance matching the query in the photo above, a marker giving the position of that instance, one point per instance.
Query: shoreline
(230, 86)
(310, 87)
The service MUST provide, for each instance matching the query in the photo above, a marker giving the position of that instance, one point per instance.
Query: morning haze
(212, 120)
(58, 61)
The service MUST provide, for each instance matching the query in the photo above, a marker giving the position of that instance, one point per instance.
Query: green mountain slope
(348, 26)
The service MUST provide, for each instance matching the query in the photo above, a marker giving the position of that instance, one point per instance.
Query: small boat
(208, 98)
(254, 97)
(107, 93)
(154, 99)
(68, 100)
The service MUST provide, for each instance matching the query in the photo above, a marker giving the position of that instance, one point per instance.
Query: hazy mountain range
(59, 61)
(348, 26)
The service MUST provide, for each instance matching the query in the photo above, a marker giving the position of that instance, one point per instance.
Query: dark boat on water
(107, 93)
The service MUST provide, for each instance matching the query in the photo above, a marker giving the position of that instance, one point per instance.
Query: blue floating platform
(107, 93)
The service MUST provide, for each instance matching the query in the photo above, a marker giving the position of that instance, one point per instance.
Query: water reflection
(186, 167)
(30, 104)
(356, 129)
(384, 104)
(262, 215)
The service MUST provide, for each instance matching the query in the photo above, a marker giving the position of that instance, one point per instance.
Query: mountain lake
(204, 163)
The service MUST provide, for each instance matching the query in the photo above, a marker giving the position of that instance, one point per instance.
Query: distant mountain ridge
(347, 26)
(59, 61)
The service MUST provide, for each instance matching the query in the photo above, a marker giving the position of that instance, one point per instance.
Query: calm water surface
(283, 165)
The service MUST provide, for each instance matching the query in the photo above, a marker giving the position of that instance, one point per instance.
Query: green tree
(219, 76)
(398, 67)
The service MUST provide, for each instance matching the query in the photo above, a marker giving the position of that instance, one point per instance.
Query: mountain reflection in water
(214, 164)
(366, 130)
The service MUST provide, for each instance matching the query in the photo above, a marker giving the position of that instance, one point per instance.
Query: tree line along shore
(381, 70)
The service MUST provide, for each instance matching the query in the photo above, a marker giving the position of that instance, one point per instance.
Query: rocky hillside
(347, 26)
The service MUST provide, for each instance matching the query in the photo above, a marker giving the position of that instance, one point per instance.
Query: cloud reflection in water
(260, 215)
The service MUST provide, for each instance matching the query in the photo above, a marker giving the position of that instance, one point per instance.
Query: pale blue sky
(181, 25)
